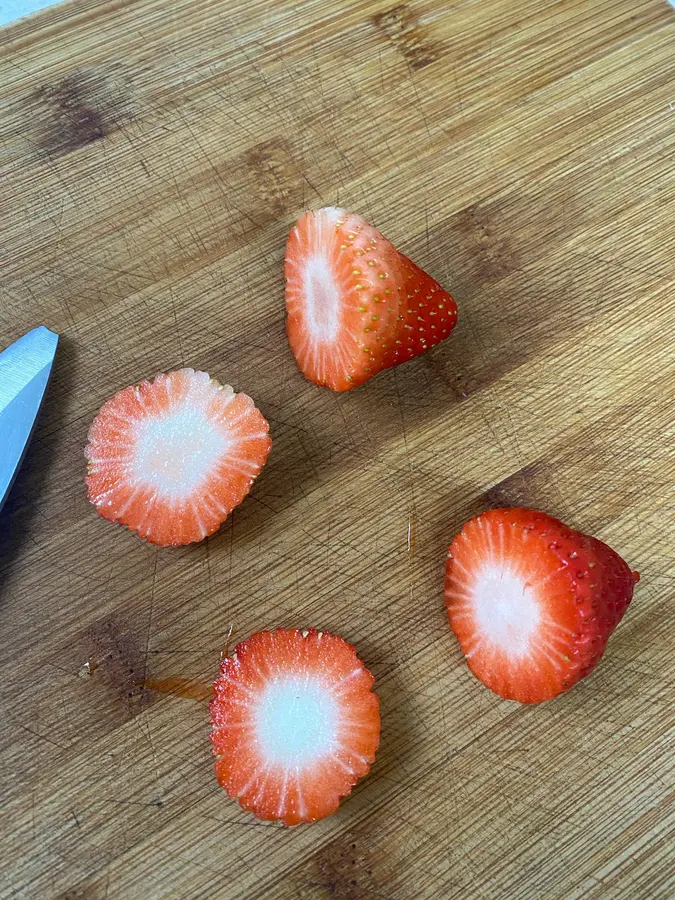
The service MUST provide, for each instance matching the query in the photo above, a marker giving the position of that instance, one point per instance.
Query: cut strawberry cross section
(355, 304)
(295, 724)
(171, 458)
(532, 602)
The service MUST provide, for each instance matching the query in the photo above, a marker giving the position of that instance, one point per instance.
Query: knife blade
(25, 367)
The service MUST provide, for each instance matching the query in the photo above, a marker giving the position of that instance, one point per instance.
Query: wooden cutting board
(154, 156)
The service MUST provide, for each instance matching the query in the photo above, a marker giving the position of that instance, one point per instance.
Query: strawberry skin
(533, 602)
(295, 724)
(170, 458)
(355, 305)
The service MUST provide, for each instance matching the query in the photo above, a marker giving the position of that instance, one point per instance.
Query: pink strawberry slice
(533, 602)
(295, 724)
(170, 458)
(355, 304)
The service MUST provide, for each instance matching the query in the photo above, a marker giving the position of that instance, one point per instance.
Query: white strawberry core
(506, 609)
(176, 452)
(296, 721)
(322, 298)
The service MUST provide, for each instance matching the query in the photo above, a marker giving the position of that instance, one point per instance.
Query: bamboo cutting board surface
(154, 156)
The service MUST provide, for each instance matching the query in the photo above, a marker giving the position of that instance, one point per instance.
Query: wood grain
(154, 156)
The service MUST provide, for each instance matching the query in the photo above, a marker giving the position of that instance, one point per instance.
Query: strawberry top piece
(532, 602)
(355, 304)
(170, 458)
(295, 724)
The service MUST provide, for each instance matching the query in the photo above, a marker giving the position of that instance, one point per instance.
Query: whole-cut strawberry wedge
(532, 602)
(355, 304)
(171, 458)
(295, 724)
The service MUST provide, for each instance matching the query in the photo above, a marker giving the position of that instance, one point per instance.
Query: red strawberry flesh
(355, 304)
(170, 458)
(533, 602)
(295, 724)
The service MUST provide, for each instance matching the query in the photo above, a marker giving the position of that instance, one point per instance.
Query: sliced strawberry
(355, 304)
(171, 458)
(295, 724)
(532, 602)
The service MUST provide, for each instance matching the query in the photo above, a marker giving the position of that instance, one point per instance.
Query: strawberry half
(171, 458)
(295, 724)
(355, 304)
(532, 602)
